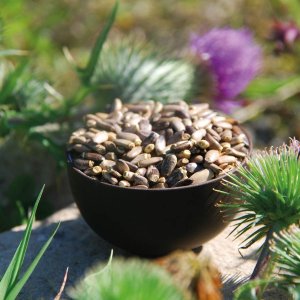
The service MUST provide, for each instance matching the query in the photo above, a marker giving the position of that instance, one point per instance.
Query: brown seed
(113, 172)
(79, 148)
(134, 152)
(160, 185)
(214, 134)
(202, 176)
(141, 171)
(100, 137)
(198, 135)
(124, 143)
(121, 166)
(105, 125)
(78, 140)
(140, 186)
(215, 168)
(226, 135)
(98, 148)
(109, 178)
(152, 137)
(211, 156)
(149, 148)
(201, 123)
(177, 137)
(225, 145)
(111, 156)
(160, 145)
(139, 157)
(96, 170)
(130, 137)
(191, 167)
(224, 125)
(203, 144)
(177, 125)
(83, 164)
(111, 136)
(234, 152)
(140, 180)
(107, 163)
(182, 162)
(176, 176)
(128, 175)
(184, 154)
(197, 159)
(213, 143)
(152, 174)
(238, 139)
(116, 105)
(168, 164)
(180, 146)
(149, 161)
(93, 156)
(161, 180)
(226, 159)
(124, 183)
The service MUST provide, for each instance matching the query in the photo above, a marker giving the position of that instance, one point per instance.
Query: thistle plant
(267, 194)
(133, 71)
(286, 250)
(127, 279)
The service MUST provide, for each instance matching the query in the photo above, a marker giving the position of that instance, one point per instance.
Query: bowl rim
(192, 186)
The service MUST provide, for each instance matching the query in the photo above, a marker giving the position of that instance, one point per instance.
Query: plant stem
(263, 257)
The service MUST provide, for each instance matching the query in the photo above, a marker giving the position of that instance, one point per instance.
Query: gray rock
(76, 246)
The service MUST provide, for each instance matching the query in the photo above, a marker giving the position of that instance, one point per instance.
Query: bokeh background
(44, 28)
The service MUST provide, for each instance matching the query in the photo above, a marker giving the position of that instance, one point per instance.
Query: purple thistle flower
(233, 58)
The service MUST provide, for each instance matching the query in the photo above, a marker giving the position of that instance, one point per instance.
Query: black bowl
(150, 222)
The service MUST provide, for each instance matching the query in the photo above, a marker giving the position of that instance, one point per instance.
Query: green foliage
(126, 280)
(11, 282)
(266, 192)
(286, 247)
(132, 71)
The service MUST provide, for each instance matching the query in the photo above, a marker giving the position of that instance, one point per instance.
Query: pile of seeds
(151, 145)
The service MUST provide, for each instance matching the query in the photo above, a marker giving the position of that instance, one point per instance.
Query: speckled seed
(197, 159)
(139, 180)
(149, 161)
(121, 166)
(149, 148)
(214, 134)
(176, 176)
(160, 145)
(202, 176)
(100, 137)
(134, 152)
(93, 156)
(203, 144)
(79, 148)
(130, 137)
(83, 164)
(226, 135)
(111, 156)
(168, 164)
(183, 182)
(124, 143)
(107, 163)
(139, 157)
(226, 159)
(234, 152)
(128, 175)
(177, 125)
(180, 146)
(213, 143)
(113, 172)
(99, 149)
(191, 167)
(198, 135)
(109, 178)
(152, 174)
(124, 183)
(215, 168)
(141, 171)
(152, 137)
(211, 156)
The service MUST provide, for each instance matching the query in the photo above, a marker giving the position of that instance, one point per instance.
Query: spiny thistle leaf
(266, 191)
(133, 72)
(286, 247)
(126, 280)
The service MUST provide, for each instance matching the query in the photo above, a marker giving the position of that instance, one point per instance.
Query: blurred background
(52, 34)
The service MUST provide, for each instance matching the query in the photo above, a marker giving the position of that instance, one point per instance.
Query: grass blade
(13, 270)
(13, 293)
(87, 73)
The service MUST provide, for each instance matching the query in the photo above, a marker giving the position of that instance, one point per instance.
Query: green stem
(263, 257)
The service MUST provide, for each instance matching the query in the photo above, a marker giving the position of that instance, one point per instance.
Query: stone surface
(76, 246)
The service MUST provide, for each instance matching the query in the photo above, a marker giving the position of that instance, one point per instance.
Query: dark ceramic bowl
(150, 222)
